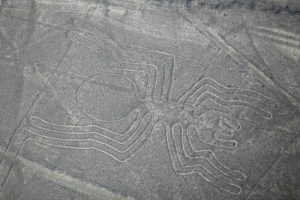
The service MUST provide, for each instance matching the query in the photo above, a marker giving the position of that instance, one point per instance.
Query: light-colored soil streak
(64, 179)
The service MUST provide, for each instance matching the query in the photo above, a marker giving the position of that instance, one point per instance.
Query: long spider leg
(118, 154)
(137, 56)
(153, 71)
(87, 131)
(164, 62)
(208, 154)
(102, 137)
(179, 168)
(215, 174)
(235, 116)
(226, 96)
(257, 109)
(169, 73)
(176, 164)
(235, 93)
(140, 141)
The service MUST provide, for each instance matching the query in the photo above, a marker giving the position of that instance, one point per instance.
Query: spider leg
(165, 64)
(119, 143)
(96, 38)
(94, 43)
(87, 131)
(227, 95)
(192, 156)
(212, 108)
(231, 116)
(207, 153)
(258, 109)
(121, 150)
(201, 166)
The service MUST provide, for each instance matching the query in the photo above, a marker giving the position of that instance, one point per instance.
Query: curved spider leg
(192, 90)
(121, 143)
(128, 57)
(86, 131)
(220, 178)
(86, 40)
(226, 93)
(234, 116)
(165, 68)
(206, 172)
(256, 108)
(120, 153)
(207, 153)
(169, 73)
(234, 97)
(163, 61)
(115, 139)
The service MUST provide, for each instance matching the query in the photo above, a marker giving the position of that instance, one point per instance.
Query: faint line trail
(278, 157)
(220, 42)
(37, 97)
(277, 40)
(65, 180)
(275, 32)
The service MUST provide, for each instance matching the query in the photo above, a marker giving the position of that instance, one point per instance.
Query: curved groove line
(209, 156)
(120, 155)
(274, 32)
(89, 130)
(109, 142)
(169, 84)
(229, 103)
(226, 96)
(278, 40)
(78, 24)
(92, 43)
(221, 42)
(221, 88)
(198, 169)
(225, 111)
(195, 167)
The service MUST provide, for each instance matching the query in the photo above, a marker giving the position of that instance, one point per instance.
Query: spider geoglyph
(206, 110)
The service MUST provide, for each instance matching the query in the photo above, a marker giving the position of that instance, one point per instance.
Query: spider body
(170, 112)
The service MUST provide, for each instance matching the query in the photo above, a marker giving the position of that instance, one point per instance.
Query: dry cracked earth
(149, 100)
